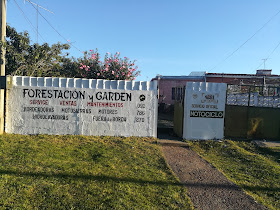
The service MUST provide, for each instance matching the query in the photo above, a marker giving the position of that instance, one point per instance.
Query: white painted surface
(81, 106)
(204, 110)
(253, 99)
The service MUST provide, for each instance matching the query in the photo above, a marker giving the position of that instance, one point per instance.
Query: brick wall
(165, 88)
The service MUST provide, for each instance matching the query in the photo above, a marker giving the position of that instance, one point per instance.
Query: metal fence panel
(257, 96)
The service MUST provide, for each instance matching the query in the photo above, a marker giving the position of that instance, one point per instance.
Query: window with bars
(178, 93)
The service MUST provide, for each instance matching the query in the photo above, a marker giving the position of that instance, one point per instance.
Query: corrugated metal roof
(198, 73)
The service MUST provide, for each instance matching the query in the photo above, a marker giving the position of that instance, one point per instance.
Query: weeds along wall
(81, 107)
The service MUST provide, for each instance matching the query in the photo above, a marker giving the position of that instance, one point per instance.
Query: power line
(245, 41)
(33, 27)
(258, 66)
(38, 15)
(56, 30)
(273, 50)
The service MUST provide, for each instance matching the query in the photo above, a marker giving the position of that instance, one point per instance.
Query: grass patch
(77, 172)
(256, 170)
(272, 153)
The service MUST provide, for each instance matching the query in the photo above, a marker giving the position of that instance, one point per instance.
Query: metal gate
(252, 112)
(179, 111)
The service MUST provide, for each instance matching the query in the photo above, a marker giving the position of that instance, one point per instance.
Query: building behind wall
(167, 84)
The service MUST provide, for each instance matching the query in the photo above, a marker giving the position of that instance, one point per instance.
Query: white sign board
(43, 109)
(204, 110)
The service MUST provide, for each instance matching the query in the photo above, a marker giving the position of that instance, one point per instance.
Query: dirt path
(207, 187)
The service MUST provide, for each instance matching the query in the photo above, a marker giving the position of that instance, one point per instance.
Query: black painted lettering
(206, 114)
(75, 94)
(44, 93)
(55, 93)
(31, 93)
(60, 94)
(98, 95)
(66, 92)
(111, 95)
(82, 94)
(117, 96)
(38, 93)
(128, 96)
(24, 92)
(50, 94)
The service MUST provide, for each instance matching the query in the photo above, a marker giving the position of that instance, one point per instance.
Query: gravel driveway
(207, 187)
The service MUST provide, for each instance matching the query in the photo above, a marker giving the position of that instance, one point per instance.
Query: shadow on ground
(105, 178)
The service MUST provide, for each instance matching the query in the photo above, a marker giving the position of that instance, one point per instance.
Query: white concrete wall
(204, 110)
(81, 106)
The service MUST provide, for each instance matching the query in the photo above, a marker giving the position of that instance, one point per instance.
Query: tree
(26, 59)
(113, 67)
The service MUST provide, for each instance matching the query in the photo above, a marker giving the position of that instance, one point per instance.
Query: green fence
(252, 112)
(241, 122)
(252, 122)
(178, 118)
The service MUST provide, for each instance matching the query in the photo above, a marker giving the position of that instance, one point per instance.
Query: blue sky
(165, 37)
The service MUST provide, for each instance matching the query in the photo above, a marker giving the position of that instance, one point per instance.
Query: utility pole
(264, 60)
(3, 72)
(33, 4)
